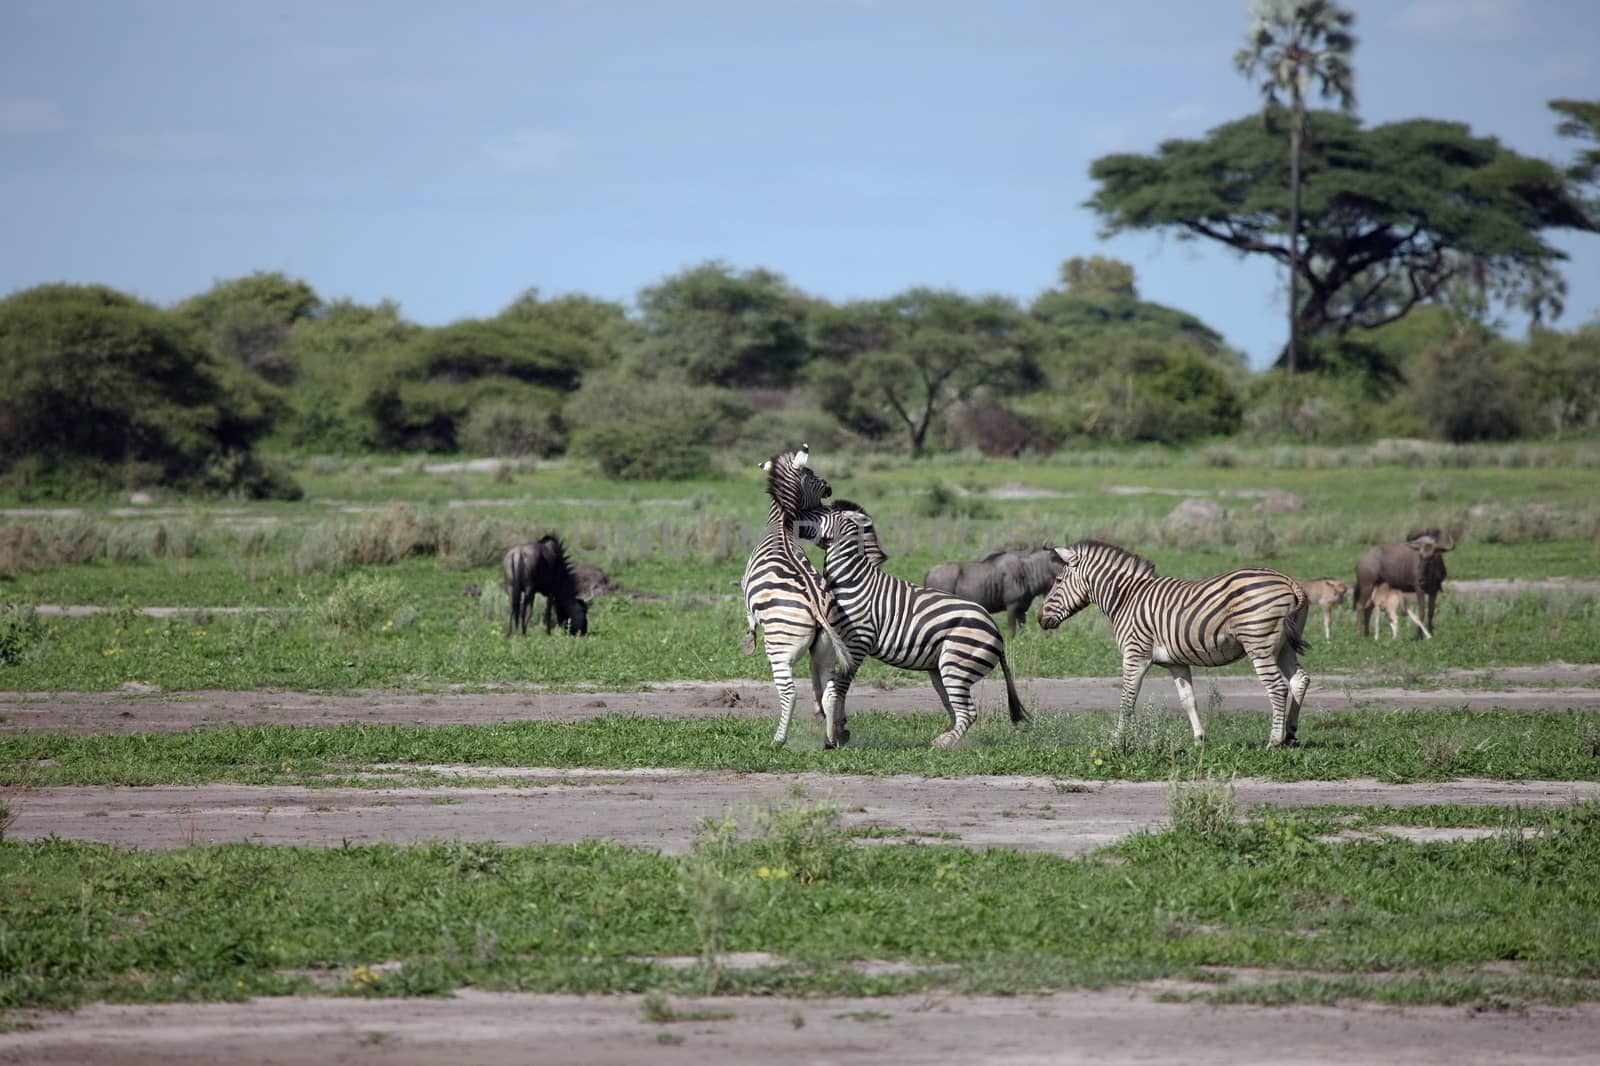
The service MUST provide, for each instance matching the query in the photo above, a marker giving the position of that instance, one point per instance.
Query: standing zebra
(905, 625)
(783, 593)
(1179, 624)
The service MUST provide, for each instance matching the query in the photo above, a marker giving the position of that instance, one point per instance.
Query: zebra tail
(1019, 713)
(841, 651)
(1293, 628)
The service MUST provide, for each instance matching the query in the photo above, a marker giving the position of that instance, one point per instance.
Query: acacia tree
(925, 350)
(1291, 44)
(1395, 215)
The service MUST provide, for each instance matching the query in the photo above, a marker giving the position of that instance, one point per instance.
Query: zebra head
(846, 514)
(1091, 572)
(1068, 594)
(794, 486)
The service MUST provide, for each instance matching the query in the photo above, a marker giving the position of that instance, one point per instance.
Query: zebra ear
(803, 456)
(766, 464)
(1063, 554)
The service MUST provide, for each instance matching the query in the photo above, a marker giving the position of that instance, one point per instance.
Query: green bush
(94, 377)
(656, 449)
(360, 603)
(20, 632)
(504, 427)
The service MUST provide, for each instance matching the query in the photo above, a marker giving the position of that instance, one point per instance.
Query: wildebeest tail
(519, 579)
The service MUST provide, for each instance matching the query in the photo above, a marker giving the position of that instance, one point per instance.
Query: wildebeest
(1392, 601)
(541, 567)
(1005, 581)
(1416, 565)
(1325, 592)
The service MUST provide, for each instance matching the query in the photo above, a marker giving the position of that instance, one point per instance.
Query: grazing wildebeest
(1392, 601)
(542, 567)
(1417, 565)
(1325, 592)
(1005, 581)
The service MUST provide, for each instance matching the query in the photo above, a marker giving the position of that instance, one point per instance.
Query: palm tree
(1291, 44)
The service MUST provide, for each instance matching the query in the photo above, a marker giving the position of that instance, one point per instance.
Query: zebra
(1180, 624)
(783, 593)
(906, 625)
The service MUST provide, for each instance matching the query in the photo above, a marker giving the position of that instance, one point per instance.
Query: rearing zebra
(1179, 624)
(783, 592)
(905, 625)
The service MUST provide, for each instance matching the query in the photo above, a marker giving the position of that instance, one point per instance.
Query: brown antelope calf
(1325, 592)
(1392, 601)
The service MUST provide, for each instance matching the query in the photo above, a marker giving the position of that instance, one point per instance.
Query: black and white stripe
(910, 626)
(783, 593)
(1180, 624)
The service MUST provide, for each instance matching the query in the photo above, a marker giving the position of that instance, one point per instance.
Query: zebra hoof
(747, 646)
(946, 740)
(844, 737)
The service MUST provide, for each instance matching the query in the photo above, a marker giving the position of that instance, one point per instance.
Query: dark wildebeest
(1005, 581)
(1417, 565)
(542, 567)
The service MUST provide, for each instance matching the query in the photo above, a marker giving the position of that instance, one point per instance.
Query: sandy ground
(661, 809)
(143, 709)
(1124, 1026)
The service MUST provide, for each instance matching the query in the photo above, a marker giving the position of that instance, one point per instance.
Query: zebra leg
(1184, 680)
(957, 696)
(834, 733)
(782, 660)
(1133, 671)
(1289, 666)
(1277, 686)
(822, 683)
(944, 698)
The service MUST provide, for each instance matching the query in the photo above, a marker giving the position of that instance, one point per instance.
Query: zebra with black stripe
(1181, 624)
(910, 626)
(783, 593)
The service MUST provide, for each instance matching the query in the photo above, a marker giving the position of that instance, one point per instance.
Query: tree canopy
(93, 374)
(921, 352)
(1393, 214)
(716, 327)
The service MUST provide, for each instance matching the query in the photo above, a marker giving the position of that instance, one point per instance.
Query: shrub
(360, 603)
(657, 449)
(503, 427)
(20, 632)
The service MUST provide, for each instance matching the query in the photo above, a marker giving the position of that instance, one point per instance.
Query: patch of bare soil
(1062, 1029)
(139, 708)
(661, 808)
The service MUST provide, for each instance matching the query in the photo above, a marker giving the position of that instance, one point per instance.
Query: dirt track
(1063, 1029)
(661, 808)
(1556, 686)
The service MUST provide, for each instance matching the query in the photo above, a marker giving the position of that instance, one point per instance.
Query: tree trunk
(1294, 232)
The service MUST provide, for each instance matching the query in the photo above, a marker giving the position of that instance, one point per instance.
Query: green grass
(1386, 919)
(1390, 745)
(448, 639)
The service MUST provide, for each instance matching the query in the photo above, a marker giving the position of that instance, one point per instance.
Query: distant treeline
(103, 385)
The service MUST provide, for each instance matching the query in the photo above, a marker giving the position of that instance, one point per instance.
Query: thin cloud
(1477, 20)
(158, 147)
(21, 115)
(532, 151)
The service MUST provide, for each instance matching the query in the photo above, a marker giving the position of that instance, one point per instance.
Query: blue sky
(451, 156)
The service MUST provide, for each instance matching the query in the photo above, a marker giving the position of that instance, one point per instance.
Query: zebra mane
(785, 481)
(849, 505)
(1129, 563)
